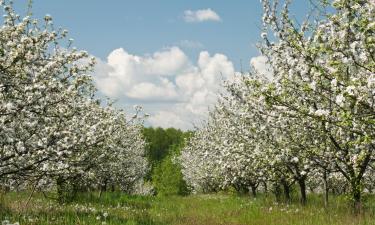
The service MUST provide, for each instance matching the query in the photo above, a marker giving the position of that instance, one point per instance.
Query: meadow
(210, 209)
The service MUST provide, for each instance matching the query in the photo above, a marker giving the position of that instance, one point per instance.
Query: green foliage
(162, 147)
(159, 140)
(159, 143)
(167, 177)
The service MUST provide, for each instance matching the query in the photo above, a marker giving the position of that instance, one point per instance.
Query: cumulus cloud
(150, 91)
(201, 15)
(168, 119)
(260, 66)
(173, 90)
(125, 75)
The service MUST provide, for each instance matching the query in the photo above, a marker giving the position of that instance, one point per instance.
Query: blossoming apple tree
(51, 123)
(324, 72)
(315, 115)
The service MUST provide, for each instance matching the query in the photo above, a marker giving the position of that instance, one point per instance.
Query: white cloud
(150, 91)
(201, 15)
(175, 91)
(260, 66)
(124, 74)
(168, 119)
(167, 62)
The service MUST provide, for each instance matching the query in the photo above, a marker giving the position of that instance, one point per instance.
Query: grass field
(117, 208)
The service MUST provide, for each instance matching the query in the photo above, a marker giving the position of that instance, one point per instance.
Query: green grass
(213, 209)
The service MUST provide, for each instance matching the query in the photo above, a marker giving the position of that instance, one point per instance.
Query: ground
(213, 209)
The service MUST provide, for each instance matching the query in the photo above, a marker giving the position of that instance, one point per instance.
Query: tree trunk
(265, 187)
(254, 190)
(60, 189)
(302, 186)
(277, 192)
(356, 195)
(103, 187)
(286, 191)
(326, 188)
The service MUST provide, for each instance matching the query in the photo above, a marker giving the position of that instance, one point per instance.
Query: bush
(168, 179)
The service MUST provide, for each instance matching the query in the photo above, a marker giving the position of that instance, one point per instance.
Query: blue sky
(146, 26)
(150, 54)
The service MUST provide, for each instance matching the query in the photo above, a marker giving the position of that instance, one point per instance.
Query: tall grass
(215, 209)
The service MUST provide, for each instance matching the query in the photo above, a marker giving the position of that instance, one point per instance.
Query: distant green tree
(159, 140)
(163, 145)
(167, 176)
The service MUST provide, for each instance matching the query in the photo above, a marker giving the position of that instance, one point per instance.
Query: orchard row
(306, 119)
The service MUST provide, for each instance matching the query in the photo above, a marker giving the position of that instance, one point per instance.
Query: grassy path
(116, 208)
